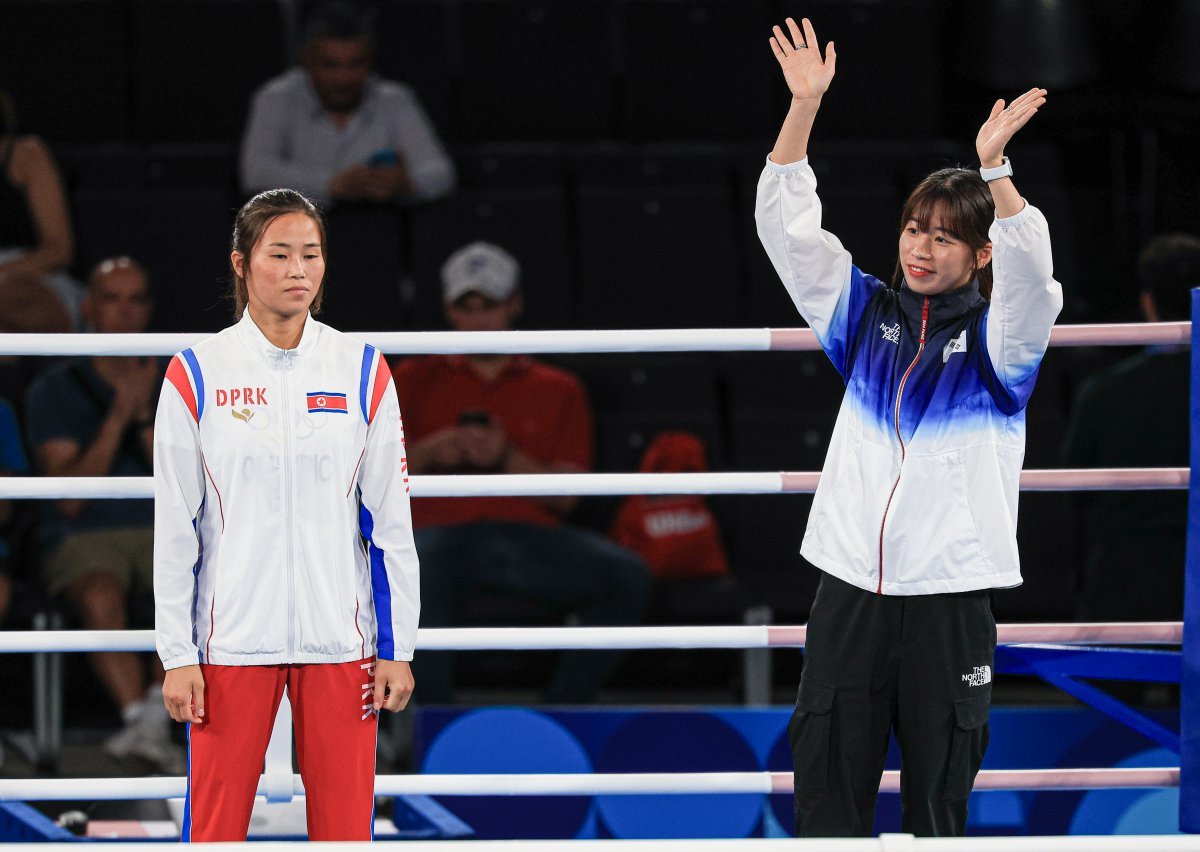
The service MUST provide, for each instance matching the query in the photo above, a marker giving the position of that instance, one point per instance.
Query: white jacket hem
(928, 586)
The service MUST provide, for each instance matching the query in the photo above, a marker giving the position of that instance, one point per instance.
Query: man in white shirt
(336, 132)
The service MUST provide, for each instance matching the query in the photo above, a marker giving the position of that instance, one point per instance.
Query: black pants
(920, 665)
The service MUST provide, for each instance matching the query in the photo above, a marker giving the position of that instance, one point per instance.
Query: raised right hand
(183, 694)
(806, 74)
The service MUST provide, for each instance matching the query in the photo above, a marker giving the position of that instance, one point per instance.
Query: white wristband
(1001, 171)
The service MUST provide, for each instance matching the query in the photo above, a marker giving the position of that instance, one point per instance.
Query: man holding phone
(507, 414)
(336, 132)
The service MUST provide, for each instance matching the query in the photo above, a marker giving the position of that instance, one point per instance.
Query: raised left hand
(1003, 124)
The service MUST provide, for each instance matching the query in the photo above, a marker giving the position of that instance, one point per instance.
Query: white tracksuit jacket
(919, 490)
(282, 531)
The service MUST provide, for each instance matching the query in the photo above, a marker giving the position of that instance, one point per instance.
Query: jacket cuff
(192, 659)
(788, 168)
(1017, 219)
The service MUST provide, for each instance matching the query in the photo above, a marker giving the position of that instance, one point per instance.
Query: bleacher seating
(171, 208)
(197, 62)
(66, 64)
(533, 69)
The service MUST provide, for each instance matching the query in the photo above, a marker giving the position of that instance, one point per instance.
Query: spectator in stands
(95, 417)
(677, 535)
(1135, 414)
(506, 414)
(36, 243)
(12, 463)
(335, 131)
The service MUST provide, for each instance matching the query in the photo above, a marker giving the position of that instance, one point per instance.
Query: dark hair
(963, 201)
(339, 20)
(252, 222)
(1168, 268)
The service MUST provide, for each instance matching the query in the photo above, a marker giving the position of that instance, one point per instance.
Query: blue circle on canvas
(501, 741)
(678, 742)
(1131, 811)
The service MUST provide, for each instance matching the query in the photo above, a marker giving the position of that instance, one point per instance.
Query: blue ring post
(1189, 715)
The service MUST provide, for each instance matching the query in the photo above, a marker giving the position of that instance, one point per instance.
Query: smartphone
(383, 158)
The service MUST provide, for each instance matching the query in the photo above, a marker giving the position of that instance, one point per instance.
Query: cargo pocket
(809, 734)
(970, 741)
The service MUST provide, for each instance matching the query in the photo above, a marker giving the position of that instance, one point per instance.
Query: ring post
(1189, 716)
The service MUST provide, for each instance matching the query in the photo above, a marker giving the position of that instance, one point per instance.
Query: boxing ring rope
(545, 342)
(622, 638)
(883, 843)
(589, 784)
(602, 484)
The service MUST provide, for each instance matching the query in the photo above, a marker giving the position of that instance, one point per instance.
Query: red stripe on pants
(334, 744)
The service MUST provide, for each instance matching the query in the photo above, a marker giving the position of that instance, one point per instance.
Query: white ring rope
(589, 784)
(607, 484)
(882, 843)
(544, 342)
(625, 638)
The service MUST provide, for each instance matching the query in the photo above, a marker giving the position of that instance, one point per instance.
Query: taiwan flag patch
(330, 403)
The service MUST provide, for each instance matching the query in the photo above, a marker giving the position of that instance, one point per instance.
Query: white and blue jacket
(919, 490)
(282, 531)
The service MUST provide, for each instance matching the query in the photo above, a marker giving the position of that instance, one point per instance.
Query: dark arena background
(613, 147)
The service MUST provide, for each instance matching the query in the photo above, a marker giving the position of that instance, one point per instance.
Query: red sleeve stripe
(382, 376)
(178, 376)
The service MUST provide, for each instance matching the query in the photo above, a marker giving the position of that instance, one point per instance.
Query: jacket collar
(943, 306)
(253, 337)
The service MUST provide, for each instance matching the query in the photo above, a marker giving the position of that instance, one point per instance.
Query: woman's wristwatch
(1001, 171)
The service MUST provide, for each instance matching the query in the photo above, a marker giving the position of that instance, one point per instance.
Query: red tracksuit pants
(335, 745)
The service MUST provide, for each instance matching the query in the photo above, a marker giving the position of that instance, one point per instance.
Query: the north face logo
(891, 333)
(979, 676)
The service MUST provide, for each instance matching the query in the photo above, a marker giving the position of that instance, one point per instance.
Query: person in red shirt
(507, 414)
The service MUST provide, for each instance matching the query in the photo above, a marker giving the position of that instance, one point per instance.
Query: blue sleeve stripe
(365, 379)
(381, 590)
(197, 378)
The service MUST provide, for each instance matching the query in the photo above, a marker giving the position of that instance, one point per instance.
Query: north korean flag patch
(324, 401)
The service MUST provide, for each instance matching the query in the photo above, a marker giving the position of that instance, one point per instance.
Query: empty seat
(622, 438)
(698, 69)
(1051, 42)
(534, 69)
(782, 409)
(888, 76)
(650, 382)
(531, 224)
(662, 165)
(172, 210)
(365, 288)
(765, 549)
(517, 165)
(66, 64)
(414, 43)
(657, 258)
(197, 62)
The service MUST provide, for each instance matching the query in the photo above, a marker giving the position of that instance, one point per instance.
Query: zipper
(285, 363)
(899, 436)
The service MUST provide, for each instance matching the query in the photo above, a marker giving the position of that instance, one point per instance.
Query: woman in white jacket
(914, 521)
(283, 547)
